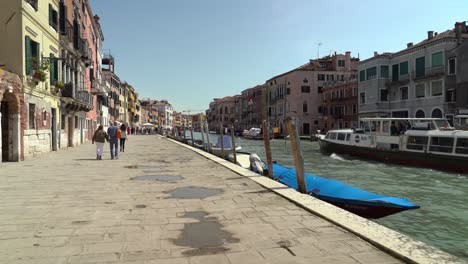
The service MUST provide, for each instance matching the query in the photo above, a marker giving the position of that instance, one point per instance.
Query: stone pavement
(67, 207)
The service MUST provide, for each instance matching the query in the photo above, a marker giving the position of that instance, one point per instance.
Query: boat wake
(336, 157)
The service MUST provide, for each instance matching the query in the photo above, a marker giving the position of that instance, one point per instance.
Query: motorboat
(423, 142)
(253, 133)
(352, 199)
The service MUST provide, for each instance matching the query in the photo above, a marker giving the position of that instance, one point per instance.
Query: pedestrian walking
(112, 131)
(123, 137)
(100, 137)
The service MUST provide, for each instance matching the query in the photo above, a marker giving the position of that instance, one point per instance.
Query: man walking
(113, 140)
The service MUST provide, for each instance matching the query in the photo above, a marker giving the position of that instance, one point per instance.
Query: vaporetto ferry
(423, 142)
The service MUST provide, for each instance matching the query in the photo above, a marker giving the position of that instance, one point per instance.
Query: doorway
(5, 130)
(306, 129)
(70, 131)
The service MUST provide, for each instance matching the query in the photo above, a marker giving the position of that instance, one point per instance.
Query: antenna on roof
(318, 49)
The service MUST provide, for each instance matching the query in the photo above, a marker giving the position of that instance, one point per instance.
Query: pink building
(298, 92)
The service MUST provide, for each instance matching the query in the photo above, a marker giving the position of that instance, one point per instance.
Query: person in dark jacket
(100, 136)
(113, 140)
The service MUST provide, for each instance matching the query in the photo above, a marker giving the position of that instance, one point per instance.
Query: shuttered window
(437, 59)
(362, 76)
(53, 69)
(384, 71)
(420, 90)
(395, 72)
(436, 88)
(371, 73)
(420, 66)
(404, 68)
(31, 50)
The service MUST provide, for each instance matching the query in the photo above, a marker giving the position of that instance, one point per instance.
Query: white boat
(253, 133)
(242, 159)
(423, 142)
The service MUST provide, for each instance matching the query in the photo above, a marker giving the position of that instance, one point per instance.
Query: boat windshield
(442, 124)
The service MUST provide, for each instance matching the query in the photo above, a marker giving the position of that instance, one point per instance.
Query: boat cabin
(425, 135)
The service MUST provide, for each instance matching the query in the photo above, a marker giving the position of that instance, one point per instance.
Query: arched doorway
(437, 113)
(10, 131)
(420, 114)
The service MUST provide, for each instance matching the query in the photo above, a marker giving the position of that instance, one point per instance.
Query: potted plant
(59, 84)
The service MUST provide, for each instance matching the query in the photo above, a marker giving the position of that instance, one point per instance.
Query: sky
(191, 51)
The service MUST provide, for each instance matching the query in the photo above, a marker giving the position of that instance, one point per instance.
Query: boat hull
(429, 160)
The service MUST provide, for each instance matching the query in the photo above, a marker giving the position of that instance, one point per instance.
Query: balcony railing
(429, 72)
(81, 97)
(97, 88)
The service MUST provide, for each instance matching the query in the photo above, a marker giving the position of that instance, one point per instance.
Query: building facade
(415, 82)
(339, 105)
(297, 93)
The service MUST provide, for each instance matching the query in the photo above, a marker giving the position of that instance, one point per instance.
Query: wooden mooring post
(202, 128)
(221, 130)
(233, 144)
(185, 136)
(297, 152)
(266, 142)
(191, 135)
(208, 148)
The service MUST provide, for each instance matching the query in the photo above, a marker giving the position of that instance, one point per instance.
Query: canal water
(442, 220)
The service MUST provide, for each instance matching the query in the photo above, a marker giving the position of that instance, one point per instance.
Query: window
(304, 107)
(420, 66)
(371, 73)
(362, 75)
(53, 18)
(383, 95)
(436, 113)
(305, 89)
(319, 89)
(395, 72)
(362, 97)
(341, 63)
(32, 116)
(333, 136)
(404, 93)
(417, 143)
(330, 77)
(441, 144)
(420, 114)
(437, 59)
(420, 90)
(354, 109)
(305, 80)
(452, 66)
(384, 71)
(321, 77)
(31, 55)
(341, 136)
(462, 146)
(348, 136)
(53, 70)
(288, 90)
(404, 68)
(33, 3)
(450, 96)
(62, 122)
(436, 88)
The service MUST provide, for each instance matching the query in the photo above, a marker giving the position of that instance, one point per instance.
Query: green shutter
(50, 14)
(27, 51)
(420, 66)
(384, 71)
(437, 59)
(395, 72)
(52, 69)
(362, 76)
(404, 68)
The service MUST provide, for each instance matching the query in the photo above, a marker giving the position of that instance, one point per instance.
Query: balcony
(429, 72)
(402, 80)
(97, 88)
(76, 100)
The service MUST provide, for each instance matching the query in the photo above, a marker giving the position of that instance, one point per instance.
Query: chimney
(376, 54)
(430, 34)
(409, 45)
(347, 60)
(460, 27)
(96, 18)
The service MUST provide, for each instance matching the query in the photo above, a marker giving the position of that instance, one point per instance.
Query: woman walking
(100, 136)
(123, 137)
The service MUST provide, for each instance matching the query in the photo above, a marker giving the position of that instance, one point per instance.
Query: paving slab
(67, 207)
